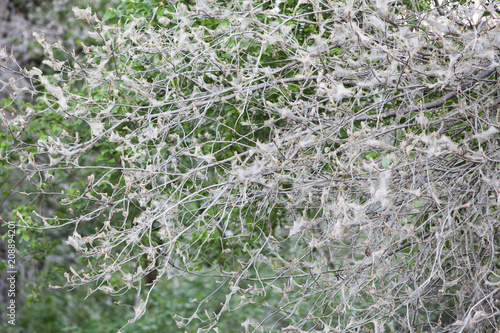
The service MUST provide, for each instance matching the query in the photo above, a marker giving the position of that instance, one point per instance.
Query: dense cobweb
(335, 162)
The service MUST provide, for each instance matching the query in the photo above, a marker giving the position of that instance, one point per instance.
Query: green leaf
(386, 162)
(25, 237)
(110, 13)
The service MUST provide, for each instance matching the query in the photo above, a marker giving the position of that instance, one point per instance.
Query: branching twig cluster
(336, 162)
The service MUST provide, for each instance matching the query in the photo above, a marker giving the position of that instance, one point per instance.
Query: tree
(333, 164)
(38, 251)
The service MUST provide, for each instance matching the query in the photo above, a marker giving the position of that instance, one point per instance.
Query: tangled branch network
(335, 162)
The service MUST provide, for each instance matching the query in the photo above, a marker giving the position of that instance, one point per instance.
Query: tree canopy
(332, 165)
